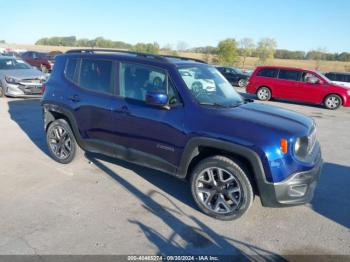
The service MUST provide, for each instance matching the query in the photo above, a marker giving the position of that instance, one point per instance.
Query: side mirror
(158, 99)
(320, 82)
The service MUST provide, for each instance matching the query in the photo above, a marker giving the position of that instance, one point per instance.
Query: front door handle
(122, 110)
(74, 98)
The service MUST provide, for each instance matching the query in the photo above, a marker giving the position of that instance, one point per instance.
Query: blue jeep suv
(182, 117)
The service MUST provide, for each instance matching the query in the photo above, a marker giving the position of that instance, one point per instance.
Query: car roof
(134, 56)
(288, 68)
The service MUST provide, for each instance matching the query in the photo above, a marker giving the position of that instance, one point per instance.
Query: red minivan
(297, 84)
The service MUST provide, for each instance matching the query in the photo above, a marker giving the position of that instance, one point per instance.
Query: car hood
(341, 84)
(23, 73)
(264, 121)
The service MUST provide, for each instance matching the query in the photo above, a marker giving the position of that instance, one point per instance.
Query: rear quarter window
(268, 72)
(71, 69)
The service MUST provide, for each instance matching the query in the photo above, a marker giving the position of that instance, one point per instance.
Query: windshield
(326, 78)
(10, 64)
(238, 71)
(209, 87)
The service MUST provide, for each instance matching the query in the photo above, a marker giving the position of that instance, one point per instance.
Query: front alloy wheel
(333, 102)
(263, 94)
(221, 189)
(218, 190)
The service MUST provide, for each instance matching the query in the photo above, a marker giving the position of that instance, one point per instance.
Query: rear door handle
(74, 98)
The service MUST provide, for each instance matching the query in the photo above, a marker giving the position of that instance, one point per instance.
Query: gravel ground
(112, 207)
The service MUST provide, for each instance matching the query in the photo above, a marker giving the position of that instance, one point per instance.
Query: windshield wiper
(211, 104)
(220, 105)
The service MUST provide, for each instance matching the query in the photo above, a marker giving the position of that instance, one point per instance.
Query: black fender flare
(50, 108)
(192, 150)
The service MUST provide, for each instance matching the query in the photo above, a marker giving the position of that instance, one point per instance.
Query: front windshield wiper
(220, 105)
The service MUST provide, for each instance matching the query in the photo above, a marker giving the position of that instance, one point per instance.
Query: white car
(197, 83)
(338, 78)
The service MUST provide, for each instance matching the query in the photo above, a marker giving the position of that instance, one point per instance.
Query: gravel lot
(112, 207)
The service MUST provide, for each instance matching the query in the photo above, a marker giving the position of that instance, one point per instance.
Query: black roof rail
(147, 55)
(72, 51)
(185, 58)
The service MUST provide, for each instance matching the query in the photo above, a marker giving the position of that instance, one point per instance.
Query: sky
(295, 24)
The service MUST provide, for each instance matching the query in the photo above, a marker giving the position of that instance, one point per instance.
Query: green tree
(152, 48)
(266, 49)
(83, 42)
(227, 51)
(247, 46)
(343, 56)
(318, 55)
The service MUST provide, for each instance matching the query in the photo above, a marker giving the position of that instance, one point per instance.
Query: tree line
(246, 47)
(228, 51)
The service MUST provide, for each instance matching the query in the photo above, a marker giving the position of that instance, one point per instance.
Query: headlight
(304, 146)
(301, 147)
(10, 79)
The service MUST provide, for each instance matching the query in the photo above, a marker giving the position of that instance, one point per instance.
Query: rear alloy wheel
(332, 102)
(221, 188)
(242, 83)
(61, 142)
(263, 94)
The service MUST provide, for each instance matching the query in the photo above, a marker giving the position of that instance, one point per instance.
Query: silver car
(18, 79)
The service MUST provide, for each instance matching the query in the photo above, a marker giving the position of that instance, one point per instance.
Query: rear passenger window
(70, 70)
(96, 75)
(289, 75)
(268, 72)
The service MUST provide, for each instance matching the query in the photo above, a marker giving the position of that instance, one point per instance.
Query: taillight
(43, 87)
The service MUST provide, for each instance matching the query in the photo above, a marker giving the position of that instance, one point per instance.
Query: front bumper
(23, 90)
(295, 190)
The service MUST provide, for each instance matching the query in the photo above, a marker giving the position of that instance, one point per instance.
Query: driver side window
(310, 78)
(136, 80)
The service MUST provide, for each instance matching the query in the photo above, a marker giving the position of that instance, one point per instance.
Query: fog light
(297, 190)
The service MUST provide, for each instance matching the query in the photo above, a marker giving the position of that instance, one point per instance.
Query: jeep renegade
(182, 117)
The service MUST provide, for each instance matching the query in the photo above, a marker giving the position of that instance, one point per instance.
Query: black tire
(264, 93)
(69, 146)
(241, 82)
(226, 192)
(333, 102)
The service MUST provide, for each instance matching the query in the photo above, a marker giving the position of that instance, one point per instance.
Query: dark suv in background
(234, 75)
(339, 78)
(156, 111)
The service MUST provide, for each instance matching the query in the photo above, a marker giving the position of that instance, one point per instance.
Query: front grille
(32, 81)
